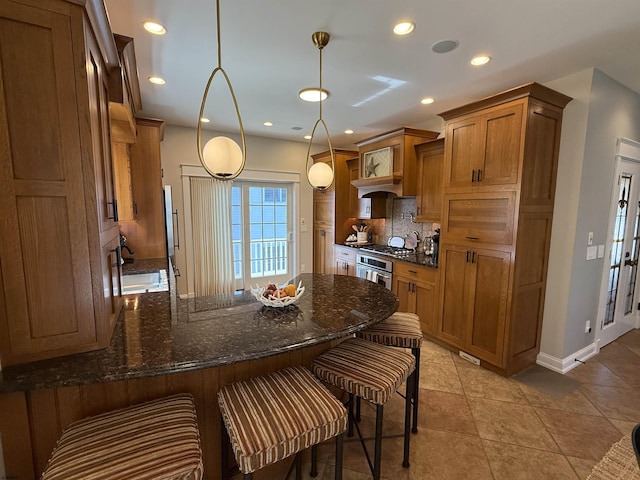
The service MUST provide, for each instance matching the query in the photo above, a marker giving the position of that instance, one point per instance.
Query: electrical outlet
(587, 327)
(303, 267)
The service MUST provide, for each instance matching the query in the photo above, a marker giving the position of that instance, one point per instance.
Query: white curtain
(212, 241)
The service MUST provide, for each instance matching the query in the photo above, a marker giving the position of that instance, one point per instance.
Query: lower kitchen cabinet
(322, 249)
(345, 260)
(474, 292)
(415, 287)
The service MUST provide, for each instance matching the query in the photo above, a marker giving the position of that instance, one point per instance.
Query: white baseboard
(564, 365)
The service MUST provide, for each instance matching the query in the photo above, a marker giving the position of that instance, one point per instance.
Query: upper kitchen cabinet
(430, 179)
(388, 162)
(362, 208)
(145, 231)
(125, 100)
(59, 270)
(483, 149)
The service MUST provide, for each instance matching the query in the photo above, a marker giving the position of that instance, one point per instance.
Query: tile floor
(477, 425)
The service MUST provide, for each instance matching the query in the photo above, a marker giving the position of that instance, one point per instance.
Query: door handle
(467, 260)
(479, 175)
(473, 257)
(473, 176)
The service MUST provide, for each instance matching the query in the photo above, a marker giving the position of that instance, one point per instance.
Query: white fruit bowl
(277, 302)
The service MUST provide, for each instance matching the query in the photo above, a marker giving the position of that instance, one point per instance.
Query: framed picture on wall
(377, 163)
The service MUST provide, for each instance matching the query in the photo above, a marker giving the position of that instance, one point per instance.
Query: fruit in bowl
(272, 295)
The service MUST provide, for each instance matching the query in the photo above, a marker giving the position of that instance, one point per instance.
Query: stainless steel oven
(375, 269)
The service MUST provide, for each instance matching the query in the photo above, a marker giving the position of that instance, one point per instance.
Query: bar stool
(402, 329)
(156, 439)
(372, 372)
(277, 415)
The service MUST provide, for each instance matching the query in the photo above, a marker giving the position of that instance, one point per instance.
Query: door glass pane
(633, 270)
(617, 247)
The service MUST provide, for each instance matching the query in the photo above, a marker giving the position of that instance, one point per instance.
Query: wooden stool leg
(377, 457)
(339, 453)
(416, 390)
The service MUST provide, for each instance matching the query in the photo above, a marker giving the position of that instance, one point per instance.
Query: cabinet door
(486, 218)
(425, 306)
(454, 301)
(100, 134)
(488, 284)
(430, 181)
(323, 249)
(501, 145)
(147, 236)
(401, 286)
(45, 200)
(122, 180)
(463, 151)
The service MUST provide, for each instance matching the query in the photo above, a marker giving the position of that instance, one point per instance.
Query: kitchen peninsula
(164, 345)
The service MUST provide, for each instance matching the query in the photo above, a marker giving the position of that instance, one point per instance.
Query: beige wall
(565, 213)
(179, 148)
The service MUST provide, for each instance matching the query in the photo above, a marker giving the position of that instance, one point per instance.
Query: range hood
(388, 162)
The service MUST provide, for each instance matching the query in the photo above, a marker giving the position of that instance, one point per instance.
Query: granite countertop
(158, 333)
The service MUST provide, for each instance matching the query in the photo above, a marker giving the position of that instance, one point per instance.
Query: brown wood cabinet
(345, 260)
(500, 164)
(403, 168)
(474, 298)
(362, 208)
(60, 289)
(416, 288)
(430, 157)
(480, 149)
(331, 209)
(145, 233)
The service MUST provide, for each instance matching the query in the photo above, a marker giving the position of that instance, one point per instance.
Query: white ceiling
(269, 56)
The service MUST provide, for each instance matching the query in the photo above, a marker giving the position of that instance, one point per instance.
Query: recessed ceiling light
(268, 124)
(157, 80)
(427, 101)
(404, 28)
(480, 60)
(348, 131)
(313, 94)
(205, 120)
(307, 137)
(445, 46)
(155, 28)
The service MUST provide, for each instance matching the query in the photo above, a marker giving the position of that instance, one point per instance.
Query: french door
(262, 233)
(621, 301)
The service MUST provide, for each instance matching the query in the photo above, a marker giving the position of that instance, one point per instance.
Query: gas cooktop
(396, 252)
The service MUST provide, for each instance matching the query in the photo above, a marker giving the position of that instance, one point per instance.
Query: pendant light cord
(218, 32)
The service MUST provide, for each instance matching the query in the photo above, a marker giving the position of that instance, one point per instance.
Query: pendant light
(320, 175)
(221, 157)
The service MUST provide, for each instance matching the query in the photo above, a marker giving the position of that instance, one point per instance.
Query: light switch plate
(600, 251)
(592, 252)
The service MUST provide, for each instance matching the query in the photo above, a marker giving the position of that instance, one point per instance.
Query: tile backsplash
(400, 220)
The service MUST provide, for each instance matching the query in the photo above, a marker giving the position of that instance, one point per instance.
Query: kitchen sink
(145, 282)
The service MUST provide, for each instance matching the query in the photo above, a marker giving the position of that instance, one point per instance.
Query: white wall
(179, 148)
(602, 111)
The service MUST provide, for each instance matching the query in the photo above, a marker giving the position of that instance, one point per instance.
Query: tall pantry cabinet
(59, 244)
(500, 163)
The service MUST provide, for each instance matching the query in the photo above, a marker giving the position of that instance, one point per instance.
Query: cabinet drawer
(479, 217)
(346, 254)
(416, 272)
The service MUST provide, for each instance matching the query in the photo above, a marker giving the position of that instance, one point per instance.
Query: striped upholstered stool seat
(372, 372)
(153, 440)
(277, 415)
(403, 330)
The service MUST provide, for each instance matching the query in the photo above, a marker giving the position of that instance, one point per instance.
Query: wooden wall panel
(45, 427)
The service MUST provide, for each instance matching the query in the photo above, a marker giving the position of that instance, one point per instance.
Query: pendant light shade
(320, 175)
(221, 157)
